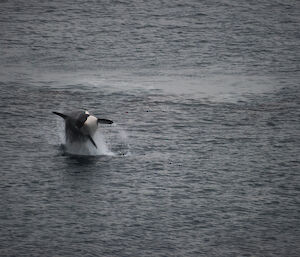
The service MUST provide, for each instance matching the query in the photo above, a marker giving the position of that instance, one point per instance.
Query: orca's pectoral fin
(92, 140)
(105, 121)
(60, 114)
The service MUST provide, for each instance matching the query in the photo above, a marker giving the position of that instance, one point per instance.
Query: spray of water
(124, 140)
(87, 148)
(111, 141)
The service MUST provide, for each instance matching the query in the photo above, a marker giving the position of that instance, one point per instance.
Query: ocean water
(203, 158)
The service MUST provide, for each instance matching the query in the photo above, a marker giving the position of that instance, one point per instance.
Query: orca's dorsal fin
(61, 115)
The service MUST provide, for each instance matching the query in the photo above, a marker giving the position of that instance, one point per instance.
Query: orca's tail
(60, 114)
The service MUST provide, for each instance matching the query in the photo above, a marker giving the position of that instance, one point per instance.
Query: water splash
(87, 148)
(103, 148)
(119, 139)
(110, 141)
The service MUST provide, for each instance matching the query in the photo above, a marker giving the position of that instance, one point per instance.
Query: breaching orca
(80, 126)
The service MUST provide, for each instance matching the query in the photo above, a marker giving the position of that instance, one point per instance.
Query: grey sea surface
(203, 158)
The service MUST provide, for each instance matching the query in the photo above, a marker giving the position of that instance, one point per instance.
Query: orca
(80, 126)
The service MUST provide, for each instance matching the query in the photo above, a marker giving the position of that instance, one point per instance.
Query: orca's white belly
(90, 126)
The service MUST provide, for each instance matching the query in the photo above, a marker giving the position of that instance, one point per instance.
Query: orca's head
(87, 123)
